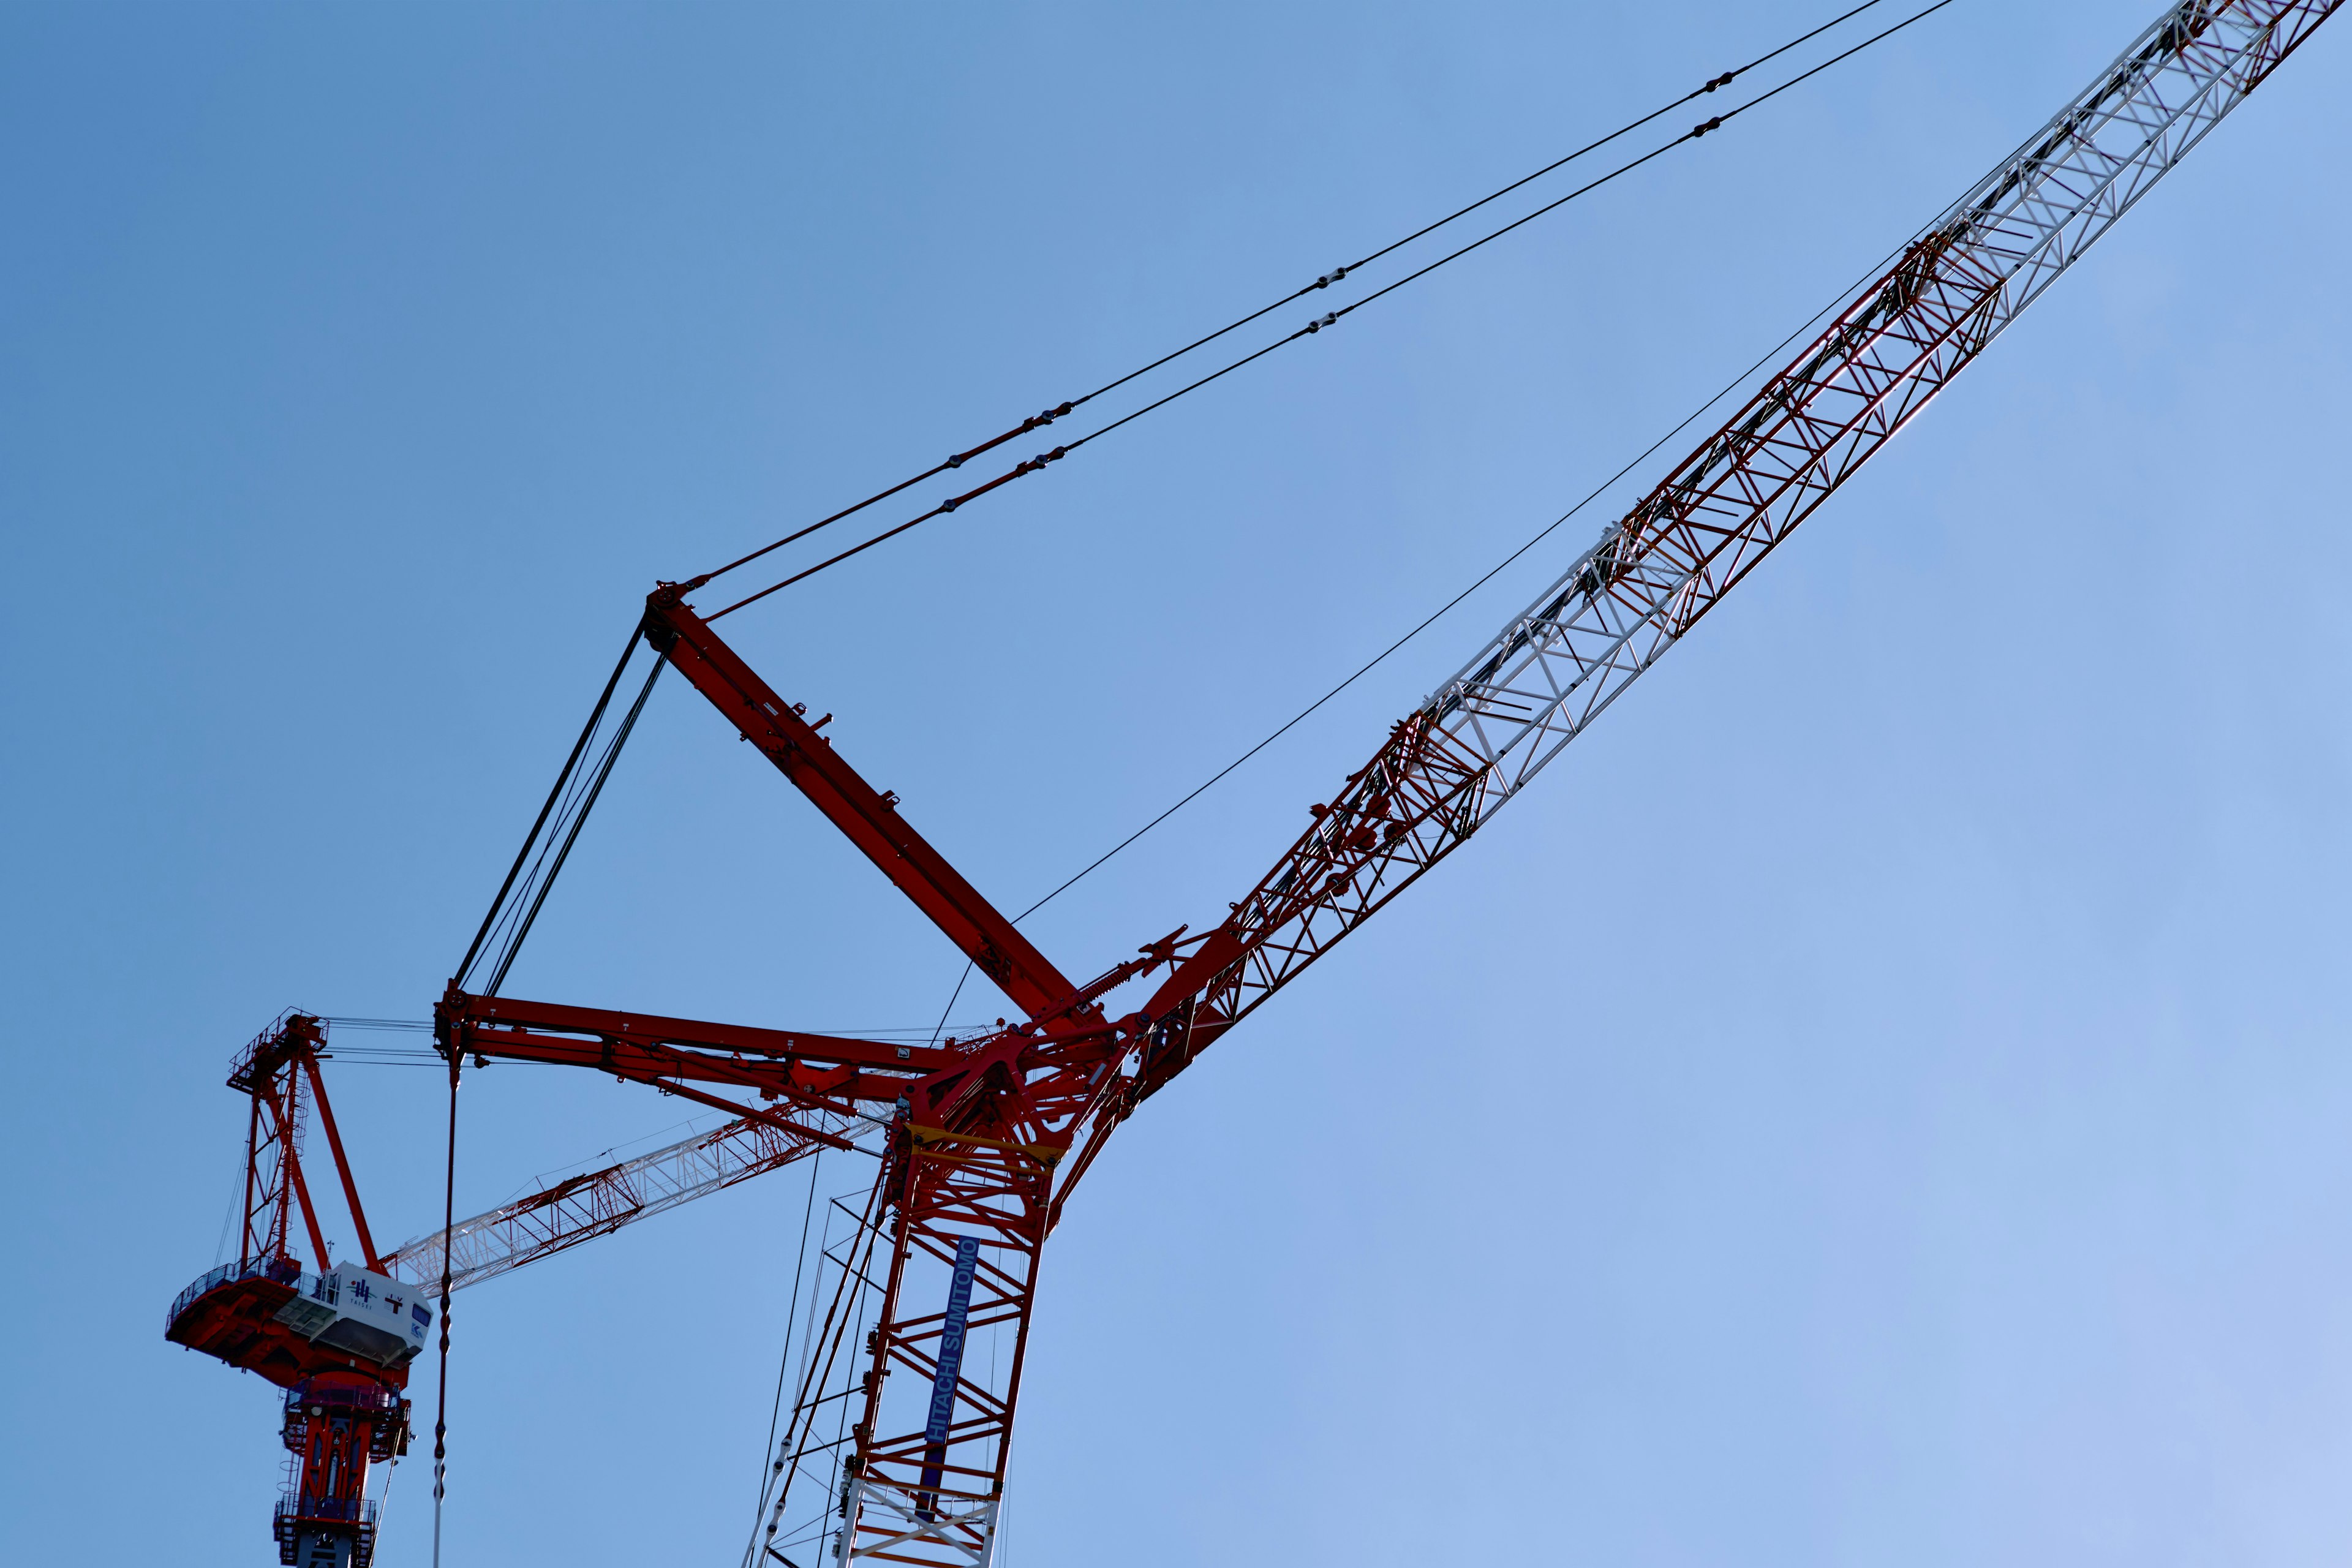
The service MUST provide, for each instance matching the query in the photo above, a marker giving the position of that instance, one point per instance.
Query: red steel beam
(834, 1090)
(309, 1215)
(458, 1008)
(868, 817)
(744, 1112)
(342, 1165)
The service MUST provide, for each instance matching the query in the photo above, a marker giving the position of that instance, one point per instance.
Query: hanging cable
(1330, 319)
(576, 787)
(603, 770)
(383, 1500)
(844, 1313)
(596, 715)
(769, 1476)
(1047, 416)
(1434, 616)
(956, 993)
(576, 791)
(1702, 129)
(448, 1229)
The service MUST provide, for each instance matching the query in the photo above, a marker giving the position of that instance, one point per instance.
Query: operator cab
(267, 1316)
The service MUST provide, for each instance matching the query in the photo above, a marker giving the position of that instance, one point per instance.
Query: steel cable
(574, 795)
(595, 716)
(441, 1396)
(783, 1369)
(1330, 319)
(1046, 416)
(1434, 616)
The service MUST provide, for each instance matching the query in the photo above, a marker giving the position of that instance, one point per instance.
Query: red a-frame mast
(976, 1131)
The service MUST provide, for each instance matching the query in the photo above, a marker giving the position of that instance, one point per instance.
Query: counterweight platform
(268, 1317)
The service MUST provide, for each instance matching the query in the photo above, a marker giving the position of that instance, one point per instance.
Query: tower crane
(338, 1341)
(981, 1142)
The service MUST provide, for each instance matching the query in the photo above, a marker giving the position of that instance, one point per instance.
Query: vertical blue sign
(944, 1386)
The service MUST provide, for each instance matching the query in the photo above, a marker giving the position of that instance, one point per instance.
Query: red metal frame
(310, 1060)
(986, 1138)
(868, 817)
(977, 1129)
(342, 1412)
(232, 1312)
(336, 1425)
(273, 1069)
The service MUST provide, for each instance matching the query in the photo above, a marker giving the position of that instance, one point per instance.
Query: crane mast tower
(981, 1142)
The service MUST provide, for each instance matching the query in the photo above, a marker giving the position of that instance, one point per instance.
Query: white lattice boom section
(598, 1203)
(1556, 667)
(1552, 669)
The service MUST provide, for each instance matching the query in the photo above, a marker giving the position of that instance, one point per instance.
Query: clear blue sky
(1881, 1099)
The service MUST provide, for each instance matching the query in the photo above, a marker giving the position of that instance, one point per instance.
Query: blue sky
(1879, 1098)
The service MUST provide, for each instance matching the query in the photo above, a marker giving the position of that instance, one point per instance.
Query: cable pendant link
(448, 1228)
(957, 460)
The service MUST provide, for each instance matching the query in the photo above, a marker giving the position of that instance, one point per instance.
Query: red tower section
(338, 1340)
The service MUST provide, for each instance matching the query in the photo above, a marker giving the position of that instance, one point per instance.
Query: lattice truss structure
(597, 1203)
(1554, 669)
(899, 1436)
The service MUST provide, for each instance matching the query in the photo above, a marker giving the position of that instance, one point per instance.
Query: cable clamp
(951, 504)
(954, 462)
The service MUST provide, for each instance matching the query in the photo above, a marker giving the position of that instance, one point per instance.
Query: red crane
(338, 1342)
(981, 1142)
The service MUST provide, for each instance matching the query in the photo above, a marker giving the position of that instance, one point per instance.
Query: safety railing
(294, 1510)
(283, 1271)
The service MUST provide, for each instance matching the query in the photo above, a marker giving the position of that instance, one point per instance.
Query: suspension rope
(595, 716)
(1434, 616)
(1489, 575)
(580, 798)
(1330, 319)
(850, 1291)
(449, 1227)
(1716, 123)
(959, 989)
(783, 1369)
(1037, 421)
(579, 819)
(383, 1501)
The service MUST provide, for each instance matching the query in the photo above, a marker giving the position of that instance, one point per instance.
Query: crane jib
(1554, 669)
